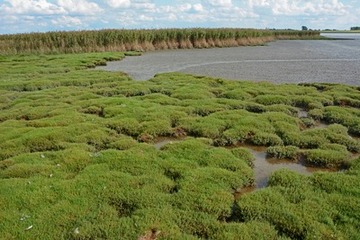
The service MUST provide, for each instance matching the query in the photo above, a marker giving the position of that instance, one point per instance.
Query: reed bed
(141, 40)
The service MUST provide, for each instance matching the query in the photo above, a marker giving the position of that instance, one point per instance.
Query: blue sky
(18, 16)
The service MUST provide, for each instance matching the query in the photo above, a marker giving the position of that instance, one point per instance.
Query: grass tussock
(77, 159)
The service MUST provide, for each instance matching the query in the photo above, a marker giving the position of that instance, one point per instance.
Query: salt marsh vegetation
(77, 159)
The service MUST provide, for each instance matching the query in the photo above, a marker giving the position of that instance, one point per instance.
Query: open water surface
(283, 61)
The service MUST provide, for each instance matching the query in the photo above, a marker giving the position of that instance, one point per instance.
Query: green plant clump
(79, 156)
(283, 152)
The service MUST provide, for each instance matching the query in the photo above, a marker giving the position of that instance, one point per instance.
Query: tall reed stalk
(141, 40)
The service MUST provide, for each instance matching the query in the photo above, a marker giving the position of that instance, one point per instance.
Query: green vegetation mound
(78, 161)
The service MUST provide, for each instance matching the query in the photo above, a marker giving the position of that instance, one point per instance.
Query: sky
(23, 16)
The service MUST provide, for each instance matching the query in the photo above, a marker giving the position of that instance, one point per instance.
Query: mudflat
(283, 61)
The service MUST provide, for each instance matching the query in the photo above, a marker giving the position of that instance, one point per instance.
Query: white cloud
(126, 19)
(183, 8)
(259, 3)
(144, 6)
(213, 13)
(67, 21)
(80, 7)
(119, 3)
(198, 7)
(143, 17)
(172, 17)
(220, 3)
(301, 7)
(41, 7)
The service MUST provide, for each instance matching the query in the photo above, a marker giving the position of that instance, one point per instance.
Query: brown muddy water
(283, 61)
(263, 166)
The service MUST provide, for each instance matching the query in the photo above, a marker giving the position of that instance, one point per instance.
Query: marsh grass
(295, 195)
(77, 159)
(141, 40)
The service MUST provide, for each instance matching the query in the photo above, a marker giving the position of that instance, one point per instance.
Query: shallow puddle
(160, 142)
(321, 125)
(264, 167)
(238, 193)
(302, 113)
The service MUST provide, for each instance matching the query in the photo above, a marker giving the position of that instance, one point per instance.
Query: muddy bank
(285, 61)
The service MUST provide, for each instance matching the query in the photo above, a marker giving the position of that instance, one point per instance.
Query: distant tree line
(355, 28)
